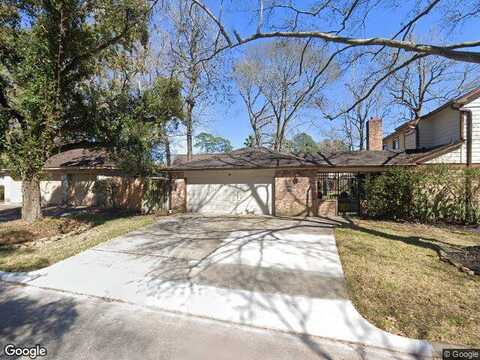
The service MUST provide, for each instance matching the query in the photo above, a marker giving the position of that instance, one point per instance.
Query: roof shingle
(80, 158)
(262, 158)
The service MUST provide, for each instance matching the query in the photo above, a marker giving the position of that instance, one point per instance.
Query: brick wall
(178, 193)
(375, 134)
(295, 193)
(130, 192)
(327, 208)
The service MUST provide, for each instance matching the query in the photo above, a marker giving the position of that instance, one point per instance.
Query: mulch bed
(58, 222)
(468, 257)
(18, 231)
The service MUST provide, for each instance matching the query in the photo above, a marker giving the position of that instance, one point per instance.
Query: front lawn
(34, 255)
(397, 281)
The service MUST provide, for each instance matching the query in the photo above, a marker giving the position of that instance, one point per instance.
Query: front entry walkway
(279, 274)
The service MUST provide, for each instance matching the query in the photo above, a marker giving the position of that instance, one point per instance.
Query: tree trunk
(361, 144)
(31, 209)
(168, 155)
(189, 132)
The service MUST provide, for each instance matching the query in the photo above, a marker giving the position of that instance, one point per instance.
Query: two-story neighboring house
(453, 129)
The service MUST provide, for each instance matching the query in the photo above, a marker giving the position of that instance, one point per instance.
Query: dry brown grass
(18, 231)
(45, 254)
(397, 281)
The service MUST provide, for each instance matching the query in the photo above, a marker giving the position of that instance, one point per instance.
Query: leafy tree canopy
(51, 54)
(208, 143)
(304, 143)
(250, 141)
(143, 127)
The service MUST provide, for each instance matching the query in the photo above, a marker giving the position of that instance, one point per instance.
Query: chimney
(375, 134)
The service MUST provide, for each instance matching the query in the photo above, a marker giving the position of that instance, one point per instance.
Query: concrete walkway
(270, 273)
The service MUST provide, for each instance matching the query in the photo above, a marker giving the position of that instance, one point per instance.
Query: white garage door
(233, 194)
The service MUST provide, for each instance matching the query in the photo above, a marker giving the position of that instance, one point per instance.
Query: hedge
(428, 194)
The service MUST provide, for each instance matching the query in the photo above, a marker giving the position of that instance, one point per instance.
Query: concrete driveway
(273, 273)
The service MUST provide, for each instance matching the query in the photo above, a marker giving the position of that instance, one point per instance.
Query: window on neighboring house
(396, 144)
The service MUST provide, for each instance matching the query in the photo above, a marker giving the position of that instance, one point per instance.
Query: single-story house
(69, 178)
(261, 181)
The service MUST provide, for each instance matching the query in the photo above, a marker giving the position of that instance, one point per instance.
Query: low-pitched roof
(263, 158)
(81, 159)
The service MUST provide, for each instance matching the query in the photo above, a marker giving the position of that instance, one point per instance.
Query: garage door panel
(242, 198)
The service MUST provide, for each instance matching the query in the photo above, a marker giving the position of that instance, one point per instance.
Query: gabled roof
(454, 103)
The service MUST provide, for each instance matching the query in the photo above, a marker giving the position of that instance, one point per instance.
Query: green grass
(42, 255)
(397, 281)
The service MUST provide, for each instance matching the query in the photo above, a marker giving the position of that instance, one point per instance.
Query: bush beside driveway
(396, 279)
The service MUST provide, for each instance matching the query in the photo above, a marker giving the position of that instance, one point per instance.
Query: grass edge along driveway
(397, 281)
(46, 254)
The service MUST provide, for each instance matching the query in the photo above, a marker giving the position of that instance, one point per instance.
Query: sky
(229, 119)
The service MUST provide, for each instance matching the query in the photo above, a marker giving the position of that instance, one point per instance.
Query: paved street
(79, 327)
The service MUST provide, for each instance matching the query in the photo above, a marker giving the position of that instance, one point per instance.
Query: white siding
(453, 157)
(410, 140)
(440, 129)
(53, 192)
(475, 107)
(13, 189)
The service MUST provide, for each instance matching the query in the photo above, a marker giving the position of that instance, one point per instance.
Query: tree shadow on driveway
(246, 257)
(26, 321)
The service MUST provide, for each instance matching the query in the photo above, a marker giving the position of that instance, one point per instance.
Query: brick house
(69, 179)
(261, 181)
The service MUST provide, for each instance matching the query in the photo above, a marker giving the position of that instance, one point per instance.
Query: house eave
(332, 168)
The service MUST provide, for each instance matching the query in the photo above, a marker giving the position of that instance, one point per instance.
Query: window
(396, 144)
(2, 193)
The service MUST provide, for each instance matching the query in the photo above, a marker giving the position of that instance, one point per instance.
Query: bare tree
(280, 79)
(343, 22)
(192, 42)
(354, 122)
(427, 81)
(245, 74)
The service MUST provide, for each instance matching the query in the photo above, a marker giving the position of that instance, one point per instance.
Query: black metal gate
(346, 188)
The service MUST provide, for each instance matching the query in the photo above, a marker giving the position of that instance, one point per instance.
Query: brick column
(295, 193)
(178, 193)
(375, 134)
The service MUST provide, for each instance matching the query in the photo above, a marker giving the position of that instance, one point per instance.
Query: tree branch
(448, 51)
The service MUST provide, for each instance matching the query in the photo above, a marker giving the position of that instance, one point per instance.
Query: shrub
(104, 191)
(425, 194)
